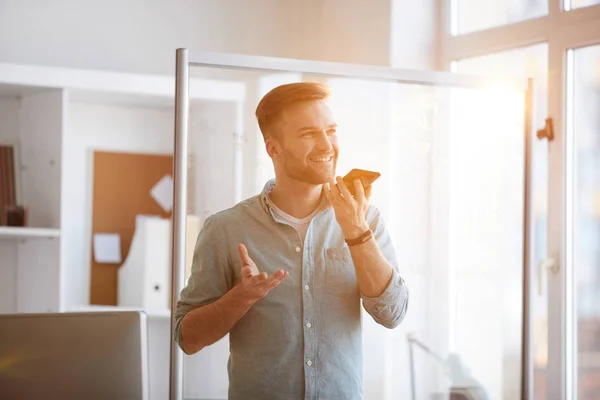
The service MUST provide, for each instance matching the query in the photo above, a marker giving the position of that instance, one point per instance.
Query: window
(529, 61)
(572, 4)
(535, 38)
(476, 15)
(584, 124)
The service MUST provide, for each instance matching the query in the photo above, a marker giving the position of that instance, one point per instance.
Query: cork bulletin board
(122, 183)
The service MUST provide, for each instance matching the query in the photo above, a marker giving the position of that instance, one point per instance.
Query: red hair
(281, 97)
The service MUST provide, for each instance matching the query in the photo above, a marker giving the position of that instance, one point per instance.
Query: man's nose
(324, 143)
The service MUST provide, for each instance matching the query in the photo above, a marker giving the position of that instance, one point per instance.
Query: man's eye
(331, 132)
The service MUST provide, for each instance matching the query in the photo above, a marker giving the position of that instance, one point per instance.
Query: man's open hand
(254, 284)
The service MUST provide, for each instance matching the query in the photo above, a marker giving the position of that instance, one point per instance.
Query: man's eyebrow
(315, 128)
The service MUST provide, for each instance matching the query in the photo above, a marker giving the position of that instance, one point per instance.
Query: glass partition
(451, 193)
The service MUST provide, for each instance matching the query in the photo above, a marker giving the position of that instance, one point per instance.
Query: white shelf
(57, 117)
(101, 308)
(28, 232)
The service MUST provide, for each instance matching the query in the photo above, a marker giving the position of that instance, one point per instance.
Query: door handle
(547, 264)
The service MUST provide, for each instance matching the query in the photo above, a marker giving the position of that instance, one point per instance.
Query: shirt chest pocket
(340, 277)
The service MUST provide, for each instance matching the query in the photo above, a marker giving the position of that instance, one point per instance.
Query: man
(284, 272)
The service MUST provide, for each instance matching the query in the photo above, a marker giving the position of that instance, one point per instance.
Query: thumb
(243, 251)
(248, 266)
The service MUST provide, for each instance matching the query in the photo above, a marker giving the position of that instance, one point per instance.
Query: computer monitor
(93, 355)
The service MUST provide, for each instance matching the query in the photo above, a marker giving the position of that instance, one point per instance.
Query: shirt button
(309, 363)
(297, 249)
(306, 287)
(308, 325)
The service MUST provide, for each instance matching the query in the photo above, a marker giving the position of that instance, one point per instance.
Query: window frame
(562, 31)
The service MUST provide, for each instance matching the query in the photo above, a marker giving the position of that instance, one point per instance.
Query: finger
(259, 278)
(368, 191)
(359, 190)
(280, 274)
(335, 191)
(247, 271)
(275, 283)
(276, 278)
(343, 189)
(246, 260)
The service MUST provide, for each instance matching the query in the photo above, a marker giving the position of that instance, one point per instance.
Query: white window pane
(529, 62)
(476, 15)
(485, 171)
(572, 4)
(586, 222)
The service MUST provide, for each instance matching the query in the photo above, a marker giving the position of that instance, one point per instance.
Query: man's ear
(273, 147)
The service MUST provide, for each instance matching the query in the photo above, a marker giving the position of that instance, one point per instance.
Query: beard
(313, 173)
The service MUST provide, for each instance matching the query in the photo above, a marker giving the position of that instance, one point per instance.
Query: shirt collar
(265, 203)
(265, 194)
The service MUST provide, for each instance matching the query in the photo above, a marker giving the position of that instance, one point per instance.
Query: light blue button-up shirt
(303, 340)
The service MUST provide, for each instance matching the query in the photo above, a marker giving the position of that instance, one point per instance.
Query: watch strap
(368, 234)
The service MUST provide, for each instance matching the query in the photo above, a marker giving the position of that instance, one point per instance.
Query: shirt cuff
(395, 290)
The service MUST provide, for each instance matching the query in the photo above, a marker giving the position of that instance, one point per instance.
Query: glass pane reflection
(531, 61)
(451, 195)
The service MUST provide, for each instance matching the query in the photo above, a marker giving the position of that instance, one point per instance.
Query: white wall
(107, 35)
(211, 143)
(92, 127)
(9, 120)
(399, 33)
(354, 31)
(9, 134)
(8, 275)
(41, 127)
(139, 35)
(414, 41)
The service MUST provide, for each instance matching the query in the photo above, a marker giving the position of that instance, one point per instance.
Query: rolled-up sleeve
(389, 308)
(211, 273)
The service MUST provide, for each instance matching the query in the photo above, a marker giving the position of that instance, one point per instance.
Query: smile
(322, 159)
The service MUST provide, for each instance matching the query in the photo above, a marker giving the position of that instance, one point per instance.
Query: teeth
(322, 159)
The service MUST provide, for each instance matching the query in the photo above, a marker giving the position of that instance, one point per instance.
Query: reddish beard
(305, 171)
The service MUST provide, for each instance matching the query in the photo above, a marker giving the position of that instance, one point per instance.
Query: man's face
(305, 143)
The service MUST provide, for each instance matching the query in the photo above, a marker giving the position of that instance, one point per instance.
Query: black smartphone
(366, 178)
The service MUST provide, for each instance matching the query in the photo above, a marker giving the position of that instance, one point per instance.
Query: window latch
(547, 131)
(547, 264)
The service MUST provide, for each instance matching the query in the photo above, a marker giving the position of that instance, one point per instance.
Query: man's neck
(295, 198)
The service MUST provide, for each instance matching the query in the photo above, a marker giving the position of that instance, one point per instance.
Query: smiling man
(285, 272)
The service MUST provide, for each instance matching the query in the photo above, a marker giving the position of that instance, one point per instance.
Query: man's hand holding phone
(366, 178)
(349, 200)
